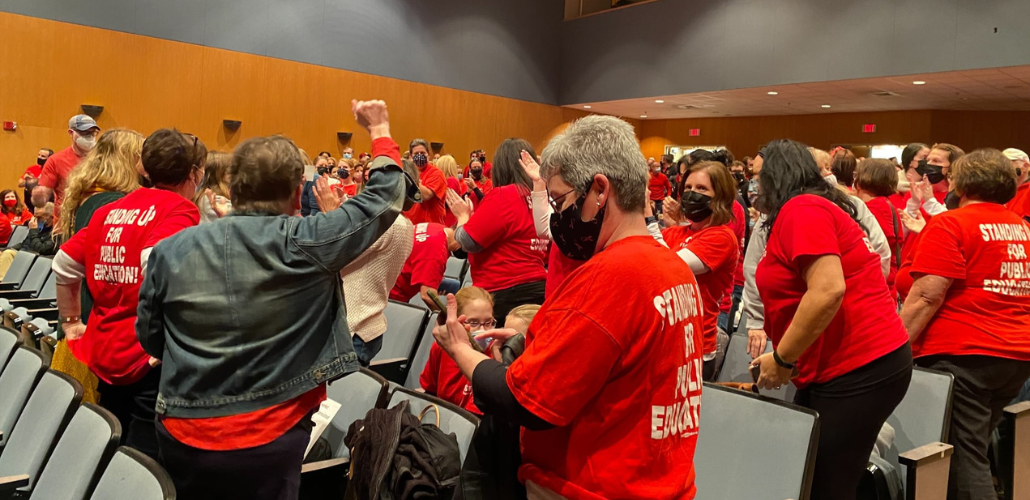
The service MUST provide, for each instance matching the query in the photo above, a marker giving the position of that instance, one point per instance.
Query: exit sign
(869, 128)
(695, 132)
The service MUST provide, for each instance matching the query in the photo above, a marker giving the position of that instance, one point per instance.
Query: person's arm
(824, 278)
(751, 301)
(541, 213)
(933, 207)
(877, 239)
(150, 313)
(923, 301)
(70, 271)
(693, 261)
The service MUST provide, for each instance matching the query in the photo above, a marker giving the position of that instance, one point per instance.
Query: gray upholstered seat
(455, 268)
(357, 393)
(82, 452)
(736, 368)
(453, 420)
(923, 416)
(8, 342)
(16, 383)
(19, 268)
(131, 475)
(48, 410)
(17, 236)
(418, 363)
(741, 435)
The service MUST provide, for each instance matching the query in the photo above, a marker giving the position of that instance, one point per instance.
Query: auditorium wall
(48, 69)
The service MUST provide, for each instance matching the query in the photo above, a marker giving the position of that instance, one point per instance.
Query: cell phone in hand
(756, 371)
(441, 309)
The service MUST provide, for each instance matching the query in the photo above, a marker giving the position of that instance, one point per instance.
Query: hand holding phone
(441, 318)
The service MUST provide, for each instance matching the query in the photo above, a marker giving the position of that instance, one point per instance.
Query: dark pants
(267, 472)
(656, 207)
(727, 320)
(984, 385)
(509, 298)
(852, 409)
(366, 350)
(133, 406)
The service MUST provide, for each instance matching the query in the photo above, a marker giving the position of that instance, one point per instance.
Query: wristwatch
(69, 319)
(651, 220)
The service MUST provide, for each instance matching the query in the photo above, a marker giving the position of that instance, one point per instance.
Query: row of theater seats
(28, 300)
(51, 447)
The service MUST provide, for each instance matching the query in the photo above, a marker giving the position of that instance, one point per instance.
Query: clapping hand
(670, 211)
(914, 224)
(218, 203)
(462, 209)
(327, 199)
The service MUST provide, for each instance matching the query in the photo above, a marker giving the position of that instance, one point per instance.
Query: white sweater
(368, 280)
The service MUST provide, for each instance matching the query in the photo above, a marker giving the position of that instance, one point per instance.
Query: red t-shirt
(618, 374)
(903, 280)
(717, 248)
(426, 263)
(1020, 204)
(442, 378)
(888, 219)
(484, 185)
(866, 326)
(659, 187)
(5, 233)
(983, 248)
(55, 174)
(34, 170)
(512, 253)
(110, 248)
(455, 185)
(434, 209)
(558, 267)
(18, 218)
(739, 226)
(487, 167)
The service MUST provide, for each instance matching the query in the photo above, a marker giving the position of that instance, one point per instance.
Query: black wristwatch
(651, 220)
(781, 362)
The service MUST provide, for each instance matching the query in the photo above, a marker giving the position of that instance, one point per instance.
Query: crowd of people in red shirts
(855, 269)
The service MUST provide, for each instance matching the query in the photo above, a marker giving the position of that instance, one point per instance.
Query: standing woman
(505, 253)
(829, 315)
(908, 177)
(110, 255)
(476, 184)
(449, 167)
(843, 167)
(876, 180)
(968, 313)
(212, 198)
(707, 244)
(560, 262)
(107, 173)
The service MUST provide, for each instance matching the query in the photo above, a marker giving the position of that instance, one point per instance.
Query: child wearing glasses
(441, 376)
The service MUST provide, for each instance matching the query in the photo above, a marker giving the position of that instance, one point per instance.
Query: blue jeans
(367, 351)
(724, 318)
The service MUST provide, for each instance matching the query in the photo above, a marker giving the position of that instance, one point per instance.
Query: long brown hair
(724, 191)
(110, 166)
(18, 208)
(215, 171)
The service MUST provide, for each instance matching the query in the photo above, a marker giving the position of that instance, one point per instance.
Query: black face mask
(934, 173)
(576, 238)
(739, 176)
(41, 161)
(921, 168)
(695, 206)
(952, 200)
(477, 173)
(323, 170)
(343, 174)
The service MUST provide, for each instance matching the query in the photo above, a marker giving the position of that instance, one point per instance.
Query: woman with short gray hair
(577, 387)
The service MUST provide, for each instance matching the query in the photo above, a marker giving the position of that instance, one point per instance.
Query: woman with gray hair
(576, 389)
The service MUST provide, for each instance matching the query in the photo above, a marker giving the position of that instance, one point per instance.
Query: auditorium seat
(82, 452)
(418, 362)
(456, 268)
(736, 367)
(45, 298)
(19, 268)
(453, 420)
(131, 475)
(1014, 448)
(8, 342)
(467, 281)
(357, 393)
(33, 282)
(404, 324)
(18, 236)
(51, 405)
(741, 435)
(16, 382)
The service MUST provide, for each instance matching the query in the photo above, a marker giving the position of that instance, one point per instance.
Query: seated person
(13, 208)
(441, 376)
(424, 268)
(40, 239)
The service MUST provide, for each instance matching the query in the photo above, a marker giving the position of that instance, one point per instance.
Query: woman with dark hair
(707, 244)
(875, 181)
(13, 208)
(834, 327)
(967, 312)
(477, 184)
(505, 253)
(911, 156)
(110, 255)
(843, 168)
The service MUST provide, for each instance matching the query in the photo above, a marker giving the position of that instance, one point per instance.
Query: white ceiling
(996, 89)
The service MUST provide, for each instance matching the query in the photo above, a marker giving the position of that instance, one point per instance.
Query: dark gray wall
(683, 46)
(507, 48)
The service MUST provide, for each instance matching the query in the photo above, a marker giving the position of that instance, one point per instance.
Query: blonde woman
(449, 166)
(212, 199)
(109, 172)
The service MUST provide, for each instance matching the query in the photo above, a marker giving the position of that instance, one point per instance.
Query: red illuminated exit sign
(869, 128)
(695, 132)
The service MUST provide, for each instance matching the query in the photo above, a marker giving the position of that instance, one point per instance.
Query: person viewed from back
(449, 167)
(930, 193)
(843, 167)
(248, 343)
(54, 177)
(30, 179)
(432, 184)
(426, 264)
(212, 198)
(577, 388)
(830, 316)
(968, 312)
(506, 257)
(110, 255)
(875, 181)
(1020, 203)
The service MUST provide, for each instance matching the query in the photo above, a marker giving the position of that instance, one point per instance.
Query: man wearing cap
(1020, 204)
(84, 131)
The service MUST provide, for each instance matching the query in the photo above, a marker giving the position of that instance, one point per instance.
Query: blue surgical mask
(347, 155)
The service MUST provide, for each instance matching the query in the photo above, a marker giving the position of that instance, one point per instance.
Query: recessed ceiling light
(659, 101)
(586, 107)
(773, 93)
(826, 105)
(918, 82)
(643, 116)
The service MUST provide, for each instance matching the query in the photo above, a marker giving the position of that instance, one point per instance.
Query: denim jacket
(247, 312)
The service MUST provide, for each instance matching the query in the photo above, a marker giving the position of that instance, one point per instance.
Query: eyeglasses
(556, 202)
(485, 324)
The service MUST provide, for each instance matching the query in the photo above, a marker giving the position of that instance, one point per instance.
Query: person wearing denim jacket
(247, 317)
